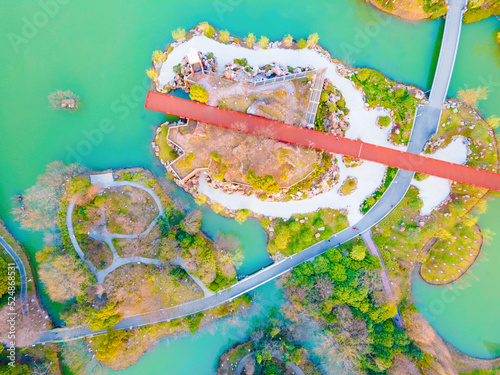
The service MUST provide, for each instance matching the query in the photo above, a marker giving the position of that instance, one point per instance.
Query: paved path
(425, 123)
(107, 237)
(180, 262)
(22, 273)
(448, 52)
(374, 250)
(241, 364)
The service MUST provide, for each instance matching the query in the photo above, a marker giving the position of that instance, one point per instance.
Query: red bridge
(321, 141)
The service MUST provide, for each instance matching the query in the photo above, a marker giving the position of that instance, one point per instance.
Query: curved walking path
(426, 121)
(108, 237)
(241, 364)
(22, 273)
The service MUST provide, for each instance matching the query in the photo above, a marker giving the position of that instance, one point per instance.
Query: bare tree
(41, 201)
(192, 222)
(230, 251)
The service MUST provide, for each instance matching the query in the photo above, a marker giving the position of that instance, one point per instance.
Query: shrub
(312, 40)
(250, 40)
(198, 93)
(266, 184)
(263, 42)
(152, 74)
(224, 36)
(242, 215)
(420, 176)
(301, 44)
(288, 40)
(415, 203)
(178, 34)
(384, 121)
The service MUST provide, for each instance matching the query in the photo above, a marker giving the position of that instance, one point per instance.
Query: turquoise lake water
(100, 50)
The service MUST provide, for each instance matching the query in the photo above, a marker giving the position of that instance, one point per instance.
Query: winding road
(426, 121)
(22, 273)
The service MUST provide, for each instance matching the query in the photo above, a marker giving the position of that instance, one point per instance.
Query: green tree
(415, 203)
(338, 272)
(358, 252)
(4, 285)
(198, 93)
(321, 265)
(384, 121)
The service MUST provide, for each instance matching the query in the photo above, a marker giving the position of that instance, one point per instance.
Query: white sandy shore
(434, 190)
(363, 126)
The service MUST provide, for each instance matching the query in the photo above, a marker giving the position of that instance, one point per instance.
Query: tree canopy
(198, 93)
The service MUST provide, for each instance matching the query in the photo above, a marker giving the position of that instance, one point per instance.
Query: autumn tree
(41, 201)
(288, 40)
(179, 33)
(152, 74)
(198, 93)
(224, 36)
(192, 222)
(471, 97)
(264, 41)
(64, 276)
(312, 40)
(110, 344)
(250, 40)
(104, 318)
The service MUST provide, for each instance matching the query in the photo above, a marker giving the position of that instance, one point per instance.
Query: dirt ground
(145, 246)
(286, 102)
(126, 211)
(407, 9)
(26, 326)
(239, 152)
(143, 288)
(98, 253)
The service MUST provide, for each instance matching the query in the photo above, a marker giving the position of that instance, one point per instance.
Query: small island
(64, 100)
